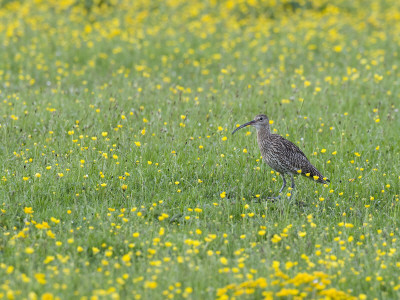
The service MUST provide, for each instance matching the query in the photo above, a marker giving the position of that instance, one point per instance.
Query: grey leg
(293, 185)
(280, 191)
(284, 183)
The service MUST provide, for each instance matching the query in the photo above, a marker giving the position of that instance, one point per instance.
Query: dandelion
(126, 258)
(29, 250)
(150, 284)
(284, 292)
(48, 259)
(337, 48)
(47, 296)
(276, 238)
(223, 260)
(40, 278)
(302, 233)
(28, 210)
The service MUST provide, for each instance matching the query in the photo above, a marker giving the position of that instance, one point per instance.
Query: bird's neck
(263, 132)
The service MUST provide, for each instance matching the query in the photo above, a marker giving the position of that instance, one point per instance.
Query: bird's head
(259, 122)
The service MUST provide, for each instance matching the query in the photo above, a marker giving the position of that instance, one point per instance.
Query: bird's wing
(294, 158)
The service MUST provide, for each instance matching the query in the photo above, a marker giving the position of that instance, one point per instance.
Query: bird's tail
(326, 181)
(315, 175)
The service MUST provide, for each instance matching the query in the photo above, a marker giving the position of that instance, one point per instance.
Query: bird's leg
(292, 186)
(280, 191)
(284, 183)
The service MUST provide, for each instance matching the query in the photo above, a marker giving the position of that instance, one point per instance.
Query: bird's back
(285, 157)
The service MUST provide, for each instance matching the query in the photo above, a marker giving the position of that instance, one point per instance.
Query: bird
(281, 154)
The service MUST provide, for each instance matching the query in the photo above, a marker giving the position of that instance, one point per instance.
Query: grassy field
(120, 178)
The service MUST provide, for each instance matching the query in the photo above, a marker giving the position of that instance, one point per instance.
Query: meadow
(120, 178)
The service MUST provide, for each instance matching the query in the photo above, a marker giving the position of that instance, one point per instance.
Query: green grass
(184, 214)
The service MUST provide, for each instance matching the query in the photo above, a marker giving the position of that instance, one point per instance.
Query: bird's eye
(261, 119)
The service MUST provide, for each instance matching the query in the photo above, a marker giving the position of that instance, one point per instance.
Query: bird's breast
(265, 150)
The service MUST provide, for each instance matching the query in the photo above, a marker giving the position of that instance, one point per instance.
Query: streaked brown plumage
(282, 155)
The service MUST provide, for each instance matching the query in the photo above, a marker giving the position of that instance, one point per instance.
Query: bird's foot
(262, 200)
(301, 204)
(269, 199)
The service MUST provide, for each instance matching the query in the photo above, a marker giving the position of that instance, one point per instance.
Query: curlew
(282, 155)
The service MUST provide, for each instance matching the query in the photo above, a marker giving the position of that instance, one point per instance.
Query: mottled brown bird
(282, 155)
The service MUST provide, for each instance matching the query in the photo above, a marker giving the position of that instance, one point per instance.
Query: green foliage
(119, 175)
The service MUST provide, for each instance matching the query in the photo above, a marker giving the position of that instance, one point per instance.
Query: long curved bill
(244, 125)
